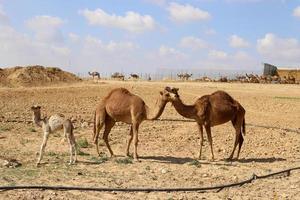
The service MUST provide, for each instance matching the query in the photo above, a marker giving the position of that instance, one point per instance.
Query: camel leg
(237, 135)
(201, 139)
(135, 129)
(43, 146)
(208, 132)
(109, 123)
(129, 140)
(73, 151)
(241, 140)
(99, 122)
(237, 126)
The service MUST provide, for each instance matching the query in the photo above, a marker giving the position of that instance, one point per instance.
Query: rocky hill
(34, 76)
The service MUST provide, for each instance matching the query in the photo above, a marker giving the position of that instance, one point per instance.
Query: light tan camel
(54, 123)
(212, 110)
(121, 105)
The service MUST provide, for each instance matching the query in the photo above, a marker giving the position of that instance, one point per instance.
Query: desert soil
(168, 149)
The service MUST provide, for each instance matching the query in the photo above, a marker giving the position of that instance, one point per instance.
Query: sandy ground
(168, 149)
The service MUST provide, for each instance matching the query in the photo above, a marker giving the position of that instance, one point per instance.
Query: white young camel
(52, 124)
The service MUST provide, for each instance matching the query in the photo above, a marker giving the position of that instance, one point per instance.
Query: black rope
(192, 189)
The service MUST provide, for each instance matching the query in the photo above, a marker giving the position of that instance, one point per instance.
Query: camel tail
(244, 127)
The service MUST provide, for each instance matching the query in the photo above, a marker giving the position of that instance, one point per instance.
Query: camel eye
(167, 95)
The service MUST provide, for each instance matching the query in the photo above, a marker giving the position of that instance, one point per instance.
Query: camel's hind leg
(200, 128)
(68, 130)
(129, 140)
(237, 123)
(98, 124)
(208, 132)
(109, 123)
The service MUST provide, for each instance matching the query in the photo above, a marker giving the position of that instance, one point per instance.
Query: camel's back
(120, 102)
(222, 107)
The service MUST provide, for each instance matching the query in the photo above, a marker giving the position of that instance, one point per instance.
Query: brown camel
(212, 110)
(121, 105)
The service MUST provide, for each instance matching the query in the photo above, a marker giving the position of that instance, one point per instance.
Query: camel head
(173, 93)
(165, 96)
(36, 109)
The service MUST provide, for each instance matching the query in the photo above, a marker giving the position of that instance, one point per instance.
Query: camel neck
(187, 111)
(157, 111)
(37, 119)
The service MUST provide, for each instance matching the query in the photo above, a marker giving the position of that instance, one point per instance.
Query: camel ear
(167, 88)
(161, 93)
(176, 89)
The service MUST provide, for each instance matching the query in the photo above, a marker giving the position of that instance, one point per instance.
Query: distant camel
(94, 74)
(212, 110)
(134, 76)
(184, 76)
(121, 105)
(118, 75)
(223, 79)
(54, 123)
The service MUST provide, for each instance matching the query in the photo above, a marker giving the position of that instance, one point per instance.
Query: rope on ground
(218, 188)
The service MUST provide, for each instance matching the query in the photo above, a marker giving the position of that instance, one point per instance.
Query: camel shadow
(260, 160)
(168, 159)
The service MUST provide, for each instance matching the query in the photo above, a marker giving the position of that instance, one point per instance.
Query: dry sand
(168, 149)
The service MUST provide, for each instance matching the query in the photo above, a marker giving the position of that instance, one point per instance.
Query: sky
(146, 36)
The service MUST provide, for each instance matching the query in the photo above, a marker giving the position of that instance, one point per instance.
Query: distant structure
(285, 73)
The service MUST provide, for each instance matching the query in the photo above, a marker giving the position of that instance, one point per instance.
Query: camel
(184, 76)
(118, 75)
(223, 79)
(212, 110)
(134, 76)
(122, 105)
(94, 74)
(52, 124)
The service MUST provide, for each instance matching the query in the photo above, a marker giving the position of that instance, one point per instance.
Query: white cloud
(193, 43)
(210, 32)
(237, 61)
(112, 46)
(74, 37)
(284, 51)
(296, 12)
(3, 17)
(157, 2)
(132, 21)
(238, 42)
(46, 28)
(216, 54)
(169, 51)
(186, 13)
(19, 49)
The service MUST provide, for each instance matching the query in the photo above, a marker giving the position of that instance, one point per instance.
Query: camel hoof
(136, 160)
(229, 159)
(37, 164)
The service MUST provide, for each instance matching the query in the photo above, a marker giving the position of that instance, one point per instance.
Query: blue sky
(147, 35)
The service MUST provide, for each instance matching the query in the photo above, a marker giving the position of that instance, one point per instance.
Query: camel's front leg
(135, 128)
(208, 132)
(43, 146)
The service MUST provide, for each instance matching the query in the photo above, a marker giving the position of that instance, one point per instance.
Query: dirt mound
(34, 76)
